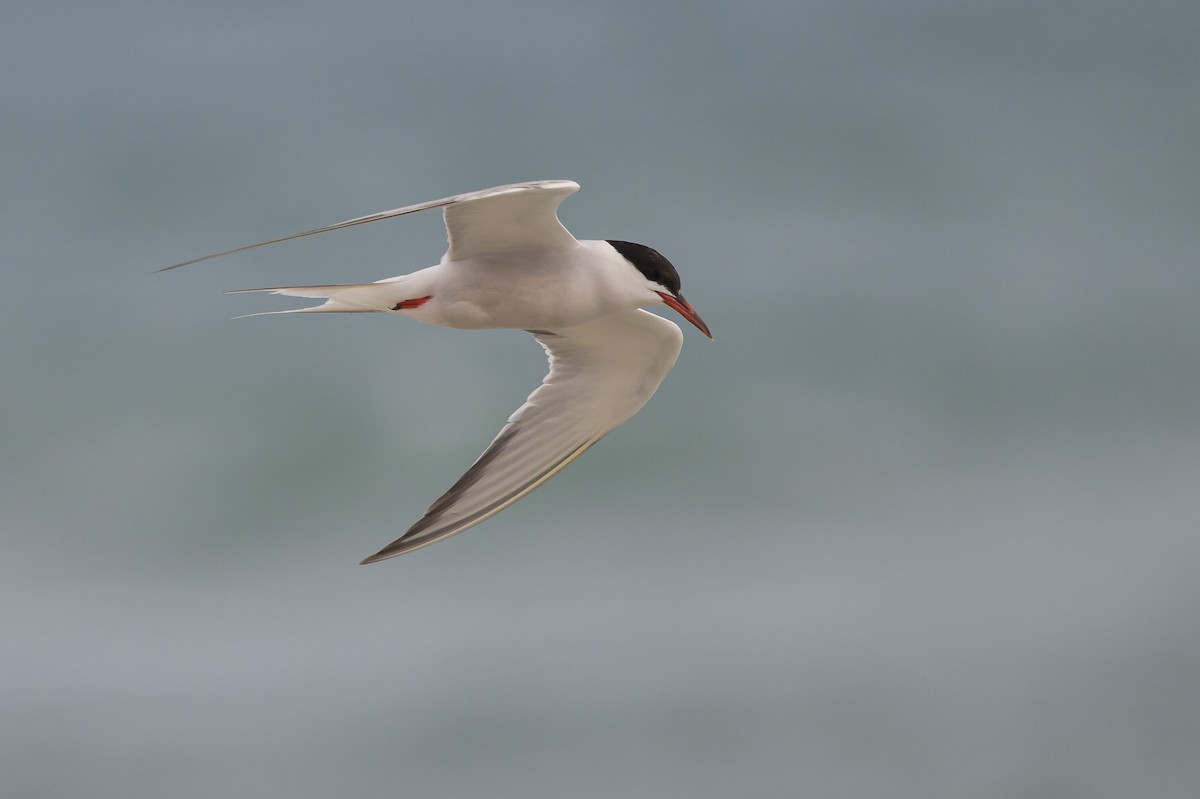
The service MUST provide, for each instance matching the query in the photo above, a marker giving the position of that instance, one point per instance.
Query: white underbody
(529, 291)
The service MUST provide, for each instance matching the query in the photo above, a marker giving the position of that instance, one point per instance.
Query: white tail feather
(329, 307)
(353, 298)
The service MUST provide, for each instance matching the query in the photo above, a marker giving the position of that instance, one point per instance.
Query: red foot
(417, 303)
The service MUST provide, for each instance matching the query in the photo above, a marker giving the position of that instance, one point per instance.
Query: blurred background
(923, 521)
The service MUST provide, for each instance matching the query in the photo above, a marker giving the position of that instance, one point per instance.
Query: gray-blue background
(921, 522)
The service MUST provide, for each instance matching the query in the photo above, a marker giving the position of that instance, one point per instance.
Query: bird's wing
(508, 219)
(601, 373)
(512, 216)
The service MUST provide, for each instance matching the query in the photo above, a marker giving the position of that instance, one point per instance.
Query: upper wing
(513, 216)
(518, 217)
(601, 374)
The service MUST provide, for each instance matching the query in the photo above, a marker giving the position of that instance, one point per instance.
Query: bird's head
(661, 280)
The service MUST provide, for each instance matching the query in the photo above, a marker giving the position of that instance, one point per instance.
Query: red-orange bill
(685, 309)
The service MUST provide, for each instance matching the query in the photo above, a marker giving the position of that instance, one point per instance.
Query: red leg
(414, 303)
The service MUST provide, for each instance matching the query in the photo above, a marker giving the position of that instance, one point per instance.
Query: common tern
(511, 264)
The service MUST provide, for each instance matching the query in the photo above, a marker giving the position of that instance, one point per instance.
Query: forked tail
(352, 298)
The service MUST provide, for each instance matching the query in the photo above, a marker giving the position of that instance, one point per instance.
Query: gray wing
(512, 216)
(508, 219)
(600, 375)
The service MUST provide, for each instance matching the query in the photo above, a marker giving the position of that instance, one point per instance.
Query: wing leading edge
(472, 220)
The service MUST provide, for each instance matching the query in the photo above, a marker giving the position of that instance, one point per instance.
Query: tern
(511, 264)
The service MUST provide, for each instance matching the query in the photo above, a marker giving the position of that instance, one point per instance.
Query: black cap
(649, 262)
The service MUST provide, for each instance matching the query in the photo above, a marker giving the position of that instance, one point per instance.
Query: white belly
(547, 293)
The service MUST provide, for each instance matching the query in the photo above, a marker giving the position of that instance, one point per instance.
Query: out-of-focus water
(922, 521)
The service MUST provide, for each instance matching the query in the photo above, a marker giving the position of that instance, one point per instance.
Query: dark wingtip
(382, 554)
(407, 543)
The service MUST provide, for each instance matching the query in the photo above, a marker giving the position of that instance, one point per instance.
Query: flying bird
(511, 264)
